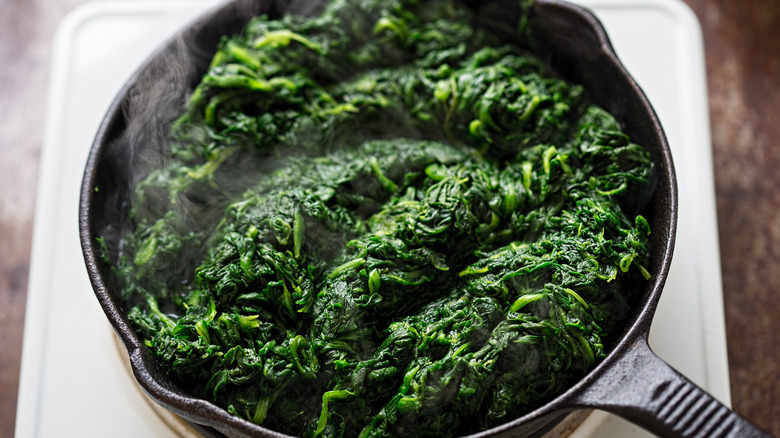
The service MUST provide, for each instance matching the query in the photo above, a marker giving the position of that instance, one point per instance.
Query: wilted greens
(387, 219)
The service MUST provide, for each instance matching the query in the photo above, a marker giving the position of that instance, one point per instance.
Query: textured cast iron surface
(576, 45)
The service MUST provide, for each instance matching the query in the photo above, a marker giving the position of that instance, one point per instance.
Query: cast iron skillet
(631, 381)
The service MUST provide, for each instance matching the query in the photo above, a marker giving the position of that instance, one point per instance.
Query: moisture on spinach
(386, 219)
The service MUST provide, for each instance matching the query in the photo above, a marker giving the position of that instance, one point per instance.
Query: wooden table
(742, 41)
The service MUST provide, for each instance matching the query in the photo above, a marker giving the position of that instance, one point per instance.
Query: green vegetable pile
(385, 220)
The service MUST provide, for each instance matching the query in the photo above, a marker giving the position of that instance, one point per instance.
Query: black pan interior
(570, 38)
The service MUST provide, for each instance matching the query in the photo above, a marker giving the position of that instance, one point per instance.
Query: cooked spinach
(386, 219)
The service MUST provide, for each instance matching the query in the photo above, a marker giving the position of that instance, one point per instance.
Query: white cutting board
(72, 381)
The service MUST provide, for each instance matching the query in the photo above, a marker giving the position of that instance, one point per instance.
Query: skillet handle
(645, 390)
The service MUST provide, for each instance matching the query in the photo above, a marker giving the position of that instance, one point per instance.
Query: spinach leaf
(385, 220)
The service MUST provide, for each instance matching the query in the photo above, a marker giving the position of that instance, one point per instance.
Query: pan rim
(213, 415)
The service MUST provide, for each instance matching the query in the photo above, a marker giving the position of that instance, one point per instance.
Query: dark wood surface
(742, 42)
